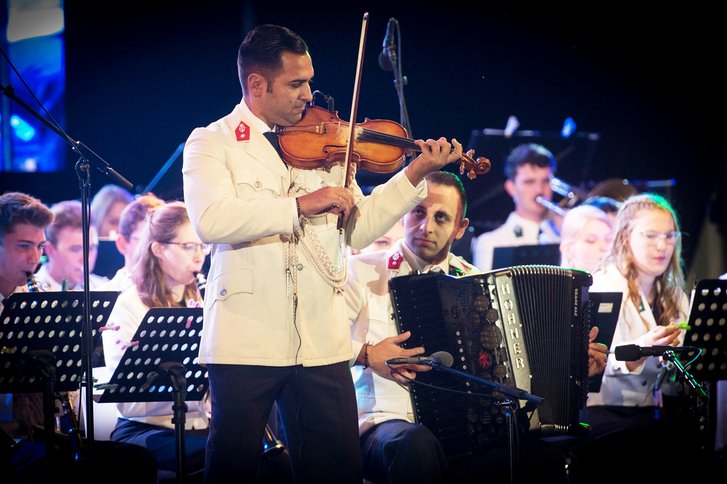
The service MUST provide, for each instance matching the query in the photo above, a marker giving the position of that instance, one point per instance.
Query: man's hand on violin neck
(434, 155)
(335, 200)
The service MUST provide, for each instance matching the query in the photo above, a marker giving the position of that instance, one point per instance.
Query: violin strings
(389, 139)
(385, 138)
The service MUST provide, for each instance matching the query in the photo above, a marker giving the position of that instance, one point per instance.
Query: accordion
(524, 327)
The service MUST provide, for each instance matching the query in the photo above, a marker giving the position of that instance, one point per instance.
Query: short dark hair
(529, 154)
(20, 208)
(451, 180)
(262, 48)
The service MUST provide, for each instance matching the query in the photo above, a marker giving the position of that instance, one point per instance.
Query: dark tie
(272, 136)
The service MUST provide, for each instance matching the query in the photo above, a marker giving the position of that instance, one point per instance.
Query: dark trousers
(318, 413)
(400, 452)
(397, 451)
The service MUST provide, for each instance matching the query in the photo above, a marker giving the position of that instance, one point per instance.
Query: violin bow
(354, 109)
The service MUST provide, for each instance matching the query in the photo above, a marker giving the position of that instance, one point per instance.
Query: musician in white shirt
(528, 169)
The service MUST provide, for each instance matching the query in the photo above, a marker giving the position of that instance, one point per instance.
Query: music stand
(708, 331)
(41, 344)
(161, 365)
(604, 309)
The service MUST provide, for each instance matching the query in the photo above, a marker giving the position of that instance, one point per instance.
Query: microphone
(330, 103)
(440, 358)
(385, 57)
(636, 352)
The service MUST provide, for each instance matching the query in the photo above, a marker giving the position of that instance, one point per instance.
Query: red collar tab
(395, 260)
(242, 132)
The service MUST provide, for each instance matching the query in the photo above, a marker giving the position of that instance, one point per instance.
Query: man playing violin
(274, 316)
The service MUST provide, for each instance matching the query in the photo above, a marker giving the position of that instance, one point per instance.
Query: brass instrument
(69, 413)
(572, 195)
(556, 209)
(271, 445)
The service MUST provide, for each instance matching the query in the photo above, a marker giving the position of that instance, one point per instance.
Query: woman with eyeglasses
(645, 265)
(168, 256)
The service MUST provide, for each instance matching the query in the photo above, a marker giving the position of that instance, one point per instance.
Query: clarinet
(271, 446)
(201, 283)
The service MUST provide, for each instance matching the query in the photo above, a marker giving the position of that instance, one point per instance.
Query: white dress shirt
(514, 232)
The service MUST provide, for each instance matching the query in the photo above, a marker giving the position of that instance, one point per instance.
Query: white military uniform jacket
(371, 314)
(515, 231)
(619, 385)
(239, 195)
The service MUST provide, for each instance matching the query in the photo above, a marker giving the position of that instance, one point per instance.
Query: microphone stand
(688, 377)
(514, 392)
(399, 79)
(83, 171)
(532, 401)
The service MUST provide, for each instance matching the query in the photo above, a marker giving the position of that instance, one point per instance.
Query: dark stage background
(141, 76)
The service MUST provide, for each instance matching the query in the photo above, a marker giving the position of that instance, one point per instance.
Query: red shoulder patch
(242, 132)
(395, 261)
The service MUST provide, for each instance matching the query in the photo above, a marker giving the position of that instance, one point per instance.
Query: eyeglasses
(192, 247)
(669, 238)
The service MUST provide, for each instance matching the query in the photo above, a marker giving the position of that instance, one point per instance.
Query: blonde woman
(585, 238)
(645, 264)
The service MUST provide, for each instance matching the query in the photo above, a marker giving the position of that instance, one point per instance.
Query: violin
(320, 139)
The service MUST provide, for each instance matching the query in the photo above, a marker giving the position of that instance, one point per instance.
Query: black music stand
(604, 309)
(161, 365)
(41, 344)
(708, 331)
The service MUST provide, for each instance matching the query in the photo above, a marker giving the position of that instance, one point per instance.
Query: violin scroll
(480, 166)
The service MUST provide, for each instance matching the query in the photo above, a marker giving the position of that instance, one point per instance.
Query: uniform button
(258, 184)
(223, 292)
(299, 267)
